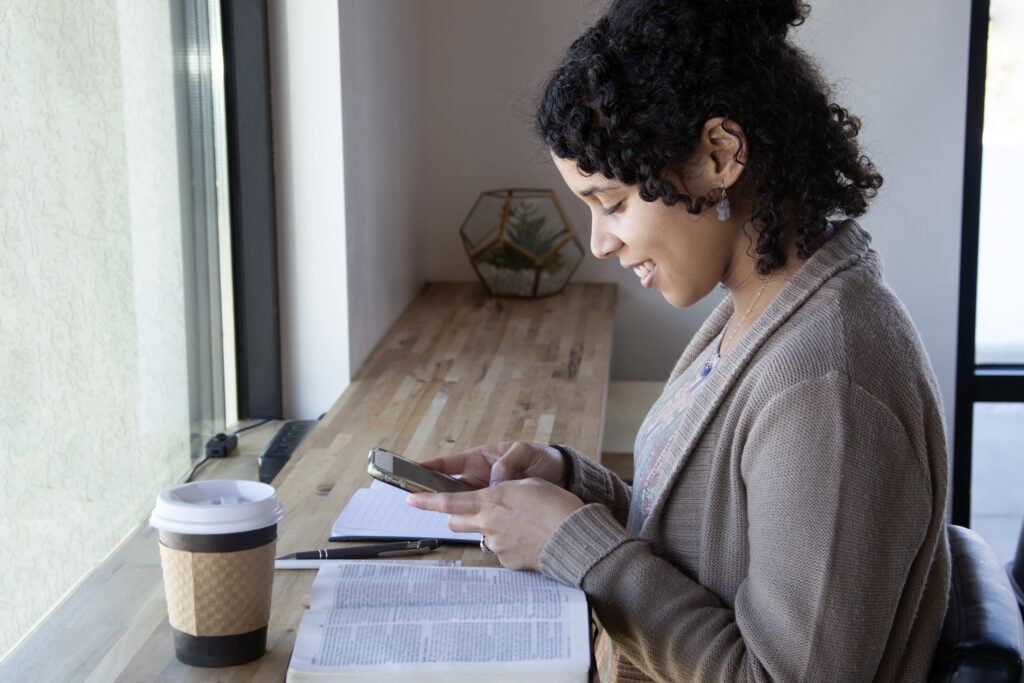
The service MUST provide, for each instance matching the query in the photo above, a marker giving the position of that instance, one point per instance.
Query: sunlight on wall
(93, 382)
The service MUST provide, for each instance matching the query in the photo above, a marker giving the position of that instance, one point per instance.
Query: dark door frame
(253, 218)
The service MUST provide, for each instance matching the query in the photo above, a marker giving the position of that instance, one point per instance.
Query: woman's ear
(724, 147)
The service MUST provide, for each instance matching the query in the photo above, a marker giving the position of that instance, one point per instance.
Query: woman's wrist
(567, 460)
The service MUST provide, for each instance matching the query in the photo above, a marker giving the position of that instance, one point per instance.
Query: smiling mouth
(645, 271)
(642, 269)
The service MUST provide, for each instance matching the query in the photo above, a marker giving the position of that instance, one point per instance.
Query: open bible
(373, 621)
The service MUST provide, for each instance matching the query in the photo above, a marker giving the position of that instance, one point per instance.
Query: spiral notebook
(381, 513)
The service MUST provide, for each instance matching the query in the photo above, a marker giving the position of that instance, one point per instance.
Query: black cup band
(220, 650)
(219, 543)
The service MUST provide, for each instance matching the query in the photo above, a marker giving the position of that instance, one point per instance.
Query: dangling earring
(723, 206)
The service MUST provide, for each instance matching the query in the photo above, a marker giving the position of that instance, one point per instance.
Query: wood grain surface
(459, 368)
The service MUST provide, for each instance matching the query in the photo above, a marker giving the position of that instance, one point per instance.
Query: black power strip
(276, 454)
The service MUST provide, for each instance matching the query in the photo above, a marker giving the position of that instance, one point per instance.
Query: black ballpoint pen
(365, 552)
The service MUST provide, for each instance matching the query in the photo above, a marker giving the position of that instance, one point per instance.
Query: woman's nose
(602, 243)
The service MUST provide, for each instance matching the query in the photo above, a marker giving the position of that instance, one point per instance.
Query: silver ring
(483, 546)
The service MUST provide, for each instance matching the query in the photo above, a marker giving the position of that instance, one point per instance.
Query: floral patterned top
(659, 427)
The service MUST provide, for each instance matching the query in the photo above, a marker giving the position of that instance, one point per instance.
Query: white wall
(901, 67)
(309, 183)
(347, 137)
(382, 86)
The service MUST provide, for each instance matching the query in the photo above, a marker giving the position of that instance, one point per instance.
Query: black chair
(983, 634)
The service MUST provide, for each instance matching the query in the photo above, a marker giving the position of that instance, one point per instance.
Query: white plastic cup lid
(218, 506)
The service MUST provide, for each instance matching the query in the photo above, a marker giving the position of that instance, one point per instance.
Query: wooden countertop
(459, 368)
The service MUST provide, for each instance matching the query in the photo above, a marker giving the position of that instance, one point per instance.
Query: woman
(786, 521)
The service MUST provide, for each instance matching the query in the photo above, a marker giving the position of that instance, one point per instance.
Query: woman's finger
(522, 460)
(473, 465)
(512, 464)
(464, 524)
(468, 503)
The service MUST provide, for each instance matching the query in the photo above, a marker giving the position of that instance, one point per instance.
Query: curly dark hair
(632, 95)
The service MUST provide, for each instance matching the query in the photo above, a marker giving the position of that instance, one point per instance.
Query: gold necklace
(729, 326)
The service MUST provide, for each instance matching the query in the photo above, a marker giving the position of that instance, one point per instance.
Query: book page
(381, 512)
(372, 616)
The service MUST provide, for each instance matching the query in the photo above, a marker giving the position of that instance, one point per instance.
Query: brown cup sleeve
(218, 594)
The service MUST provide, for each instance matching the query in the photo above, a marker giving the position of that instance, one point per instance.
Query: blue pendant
(723, 209)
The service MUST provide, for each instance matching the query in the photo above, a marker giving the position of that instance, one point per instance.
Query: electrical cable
(220, 445)
(199, 464)
(258, 424)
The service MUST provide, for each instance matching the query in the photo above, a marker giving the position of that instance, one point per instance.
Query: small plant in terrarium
(520, 243)
(525, 229)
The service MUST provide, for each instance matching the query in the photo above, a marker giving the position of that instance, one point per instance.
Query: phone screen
(401, 472)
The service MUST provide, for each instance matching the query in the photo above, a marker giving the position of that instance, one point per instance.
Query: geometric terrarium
(520, 243)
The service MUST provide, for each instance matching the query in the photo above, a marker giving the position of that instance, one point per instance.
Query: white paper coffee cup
(217, 543)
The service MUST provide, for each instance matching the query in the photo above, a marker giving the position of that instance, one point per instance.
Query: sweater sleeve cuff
(587, 480)
(579, 542)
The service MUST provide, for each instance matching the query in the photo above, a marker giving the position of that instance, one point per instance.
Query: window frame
(975, 382)
(253, 208)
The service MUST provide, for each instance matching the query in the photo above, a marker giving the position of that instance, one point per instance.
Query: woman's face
(683, 256)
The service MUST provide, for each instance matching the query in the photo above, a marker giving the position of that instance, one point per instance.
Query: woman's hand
(490, 465)
(516, 517)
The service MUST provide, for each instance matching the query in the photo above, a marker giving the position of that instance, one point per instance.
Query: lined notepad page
(381, 512)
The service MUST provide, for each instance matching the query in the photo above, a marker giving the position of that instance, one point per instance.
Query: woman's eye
(612, 209)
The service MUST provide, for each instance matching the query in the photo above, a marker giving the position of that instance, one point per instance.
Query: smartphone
(393, 469)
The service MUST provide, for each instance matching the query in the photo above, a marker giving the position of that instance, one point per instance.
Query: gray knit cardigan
(799, 534)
